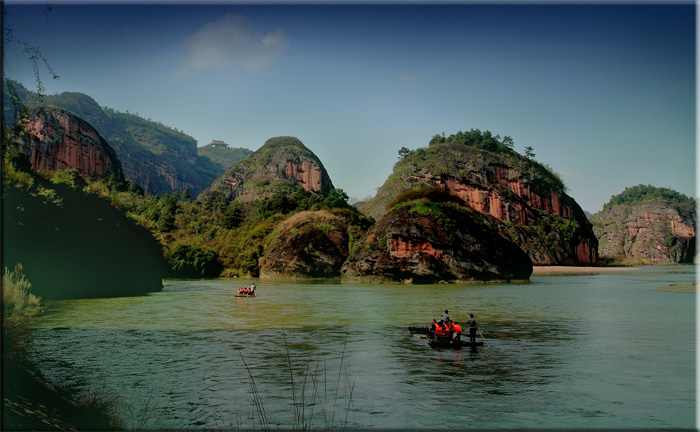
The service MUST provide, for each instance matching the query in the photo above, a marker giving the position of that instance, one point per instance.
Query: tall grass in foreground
(29, 401)
(18, 303)
(310, 397)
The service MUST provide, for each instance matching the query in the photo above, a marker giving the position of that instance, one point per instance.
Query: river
(600, 351)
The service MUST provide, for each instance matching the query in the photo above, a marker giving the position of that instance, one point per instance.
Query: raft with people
(246, 292)
(424, 334)
(447, 333)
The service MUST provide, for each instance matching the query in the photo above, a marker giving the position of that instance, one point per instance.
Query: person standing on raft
(472, 328)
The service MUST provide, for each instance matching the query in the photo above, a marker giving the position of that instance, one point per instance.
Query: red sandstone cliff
(448, 243)
(57, 139)
(656, 231)
(546, 223)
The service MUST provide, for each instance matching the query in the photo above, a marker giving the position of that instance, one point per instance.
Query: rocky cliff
(547, 223)
(424, 241)
(159, 158)
(280, 164)
(656, 231)
(307, 245)
(57, 139)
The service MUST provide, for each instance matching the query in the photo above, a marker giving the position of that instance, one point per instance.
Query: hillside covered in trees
(641, 193)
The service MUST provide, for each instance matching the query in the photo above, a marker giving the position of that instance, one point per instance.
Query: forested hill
(641, 193)
(159, 158)
(647, 224)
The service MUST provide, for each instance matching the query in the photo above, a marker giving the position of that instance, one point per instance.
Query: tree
(186, 194)
(529, 153)
(508, 142)
(337, 198)
(404, 153)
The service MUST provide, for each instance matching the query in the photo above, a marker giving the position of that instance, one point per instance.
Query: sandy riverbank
(690, 288)
(574, 270)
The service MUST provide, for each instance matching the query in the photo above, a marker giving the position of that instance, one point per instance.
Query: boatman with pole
(472, 328)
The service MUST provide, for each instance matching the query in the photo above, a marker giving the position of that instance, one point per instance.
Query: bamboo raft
(422, 333)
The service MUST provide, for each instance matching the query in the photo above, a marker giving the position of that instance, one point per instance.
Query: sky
(605, 94)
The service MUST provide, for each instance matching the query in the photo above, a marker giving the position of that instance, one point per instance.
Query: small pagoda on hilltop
(217, 143)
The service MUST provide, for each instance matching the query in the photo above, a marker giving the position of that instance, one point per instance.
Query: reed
(30, 401)
(310, 395)
(18, 304)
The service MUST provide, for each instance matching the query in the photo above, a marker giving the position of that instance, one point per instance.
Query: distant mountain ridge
(159, 158)
(223, 155)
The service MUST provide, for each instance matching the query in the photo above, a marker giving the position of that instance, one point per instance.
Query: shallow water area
(563, 351)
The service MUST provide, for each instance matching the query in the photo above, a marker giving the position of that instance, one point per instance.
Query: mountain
(647, 224)
(282, 164)
(431, 236)
(221, 154)
(157, 157)
(309, 244)
(58, 139)
(491, 178)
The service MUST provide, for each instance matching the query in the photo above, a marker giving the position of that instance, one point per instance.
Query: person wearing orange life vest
(433, 326)
(439, 331)
(450, 329)
(457, 332)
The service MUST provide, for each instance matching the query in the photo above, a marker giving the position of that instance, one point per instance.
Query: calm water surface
(585, 351)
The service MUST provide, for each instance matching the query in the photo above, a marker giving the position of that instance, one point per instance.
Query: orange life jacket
(458, 328)
(439, 330)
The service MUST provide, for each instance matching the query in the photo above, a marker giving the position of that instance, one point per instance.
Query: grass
(310, 397)
(29, 400)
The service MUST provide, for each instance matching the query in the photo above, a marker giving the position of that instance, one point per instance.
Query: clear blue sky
(605, 94)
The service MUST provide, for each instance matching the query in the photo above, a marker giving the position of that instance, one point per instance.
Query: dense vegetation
(222, 237)
(197, 239)
(457, 146)
(72, 242)
(640, 193)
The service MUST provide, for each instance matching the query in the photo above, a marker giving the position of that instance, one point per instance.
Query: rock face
(57, 139)
(307, 245)
(429, 243)
(548, 224)
(280, 163)
(159, 158)
(657, 231)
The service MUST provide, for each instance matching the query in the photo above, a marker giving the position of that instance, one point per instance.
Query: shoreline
(576, 270)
